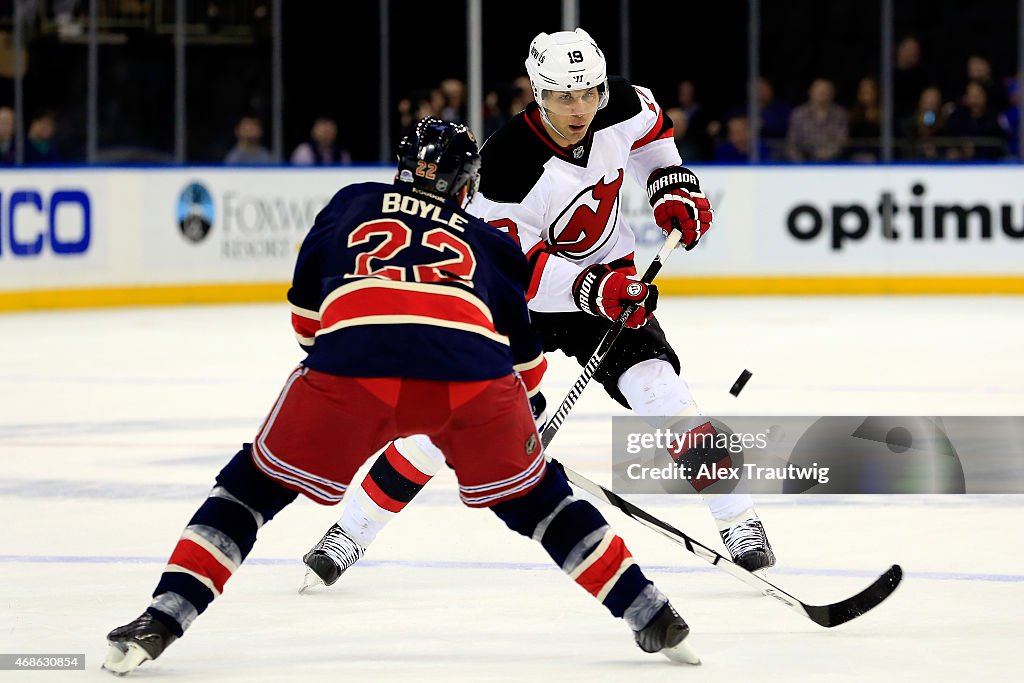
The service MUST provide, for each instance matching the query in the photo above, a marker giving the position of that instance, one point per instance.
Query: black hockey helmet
(439, 158)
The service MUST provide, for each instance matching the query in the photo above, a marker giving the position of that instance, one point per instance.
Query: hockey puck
(740, 382)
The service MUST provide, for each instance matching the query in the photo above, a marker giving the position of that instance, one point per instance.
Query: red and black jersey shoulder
(512, 159)
(623, 104)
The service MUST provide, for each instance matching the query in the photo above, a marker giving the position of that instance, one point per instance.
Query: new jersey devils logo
(587, 223)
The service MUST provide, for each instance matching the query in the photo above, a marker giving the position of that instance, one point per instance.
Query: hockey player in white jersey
(551, 178)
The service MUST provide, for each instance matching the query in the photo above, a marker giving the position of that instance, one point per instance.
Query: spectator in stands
(865, 122)
(438, 102)
(454, 92)
(976, 122)
(496, 107)
(774, 113)
(774, 118)
(819, 129)
(688, 150)
(504, 102)
(909, 79)
(39, 147)
(405, 110)
(495, 103)
(1009, 120)
(928, 124)
(7, 150)
(248, 149)
(322, 147)
(736, 146)
(522, 84)
(979, 70)
(419, 105)
(700, 127)
(67, 17)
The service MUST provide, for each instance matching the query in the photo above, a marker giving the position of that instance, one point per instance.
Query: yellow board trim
(832, 285)
(168, 295)
(148, 295)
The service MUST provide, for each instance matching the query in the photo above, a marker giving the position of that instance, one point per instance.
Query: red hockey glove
(678, 204)
(601, 291)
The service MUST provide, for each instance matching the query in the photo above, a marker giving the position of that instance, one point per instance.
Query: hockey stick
(607, 341)
(825, 615)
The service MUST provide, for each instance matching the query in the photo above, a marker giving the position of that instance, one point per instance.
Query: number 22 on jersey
(397, 237)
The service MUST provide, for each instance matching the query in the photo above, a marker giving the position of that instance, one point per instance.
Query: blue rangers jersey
(393, 283)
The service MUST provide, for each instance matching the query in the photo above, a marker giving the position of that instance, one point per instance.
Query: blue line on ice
(507, 566)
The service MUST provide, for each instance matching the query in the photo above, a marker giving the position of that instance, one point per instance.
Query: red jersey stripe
(533, 120)
(404, 303)
(194, 557)
(404, 467)
(625, 265)
(532, 373)
(304, 327)
(380, 498)
(655, 133)
(320, 489)
(507, 493)
(537, 274)
(604, 568)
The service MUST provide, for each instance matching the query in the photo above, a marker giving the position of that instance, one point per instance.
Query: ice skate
(746, 541)
(666, 635)
(132, 644)
(330, 558)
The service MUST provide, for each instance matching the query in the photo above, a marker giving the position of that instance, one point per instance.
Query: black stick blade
(851, 608)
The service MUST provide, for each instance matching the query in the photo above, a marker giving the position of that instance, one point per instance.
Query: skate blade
(123, 658)
(311, 580)
(683, 653)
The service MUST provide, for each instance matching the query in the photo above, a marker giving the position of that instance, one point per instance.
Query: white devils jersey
(563, 205)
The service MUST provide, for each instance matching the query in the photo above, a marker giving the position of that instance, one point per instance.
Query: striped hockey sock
(579, 540)
(394, 479)
(216, 541)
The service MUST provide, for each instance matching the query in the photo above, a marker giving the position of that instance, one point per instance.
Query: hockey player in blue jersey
(414, 317)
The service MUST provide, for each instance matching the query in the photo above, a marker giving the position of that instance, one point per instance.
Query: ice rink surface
(113, 424)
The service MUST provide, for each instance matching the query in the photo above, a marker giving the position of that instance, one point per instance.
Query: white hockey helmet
(566, 61)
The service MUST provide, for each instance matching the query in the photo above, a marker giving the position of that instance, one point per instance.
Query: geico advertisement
(846, 220)
(224, 225)
(49, 227)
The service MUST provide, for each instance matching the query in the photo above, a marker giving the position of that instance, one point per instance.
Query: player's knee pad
(652, 387)
(246, 483)
(525, 513)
